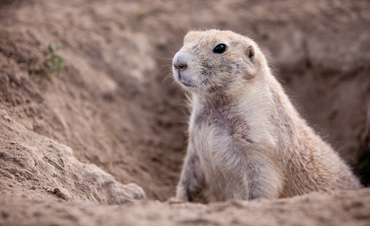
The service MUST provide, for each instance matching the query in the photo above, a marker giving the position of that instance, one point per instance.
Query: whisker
(166, 77)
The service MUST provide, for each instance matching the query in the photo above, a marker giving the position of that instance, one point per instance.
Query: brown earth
(71, 144)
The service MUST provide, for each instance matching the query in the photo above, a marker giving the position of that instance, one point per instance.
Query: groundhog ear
(249, 52)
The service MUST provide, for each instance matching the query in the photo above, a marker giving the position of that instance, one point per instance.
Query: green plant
(141, 14)
(53, 62)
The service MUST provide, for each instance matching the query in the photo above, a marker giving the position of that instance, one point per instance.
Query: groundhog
(246, 139)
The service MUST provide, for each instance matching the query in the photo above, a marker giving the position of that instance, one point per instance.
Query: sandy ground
(83, 148)
(337, 208)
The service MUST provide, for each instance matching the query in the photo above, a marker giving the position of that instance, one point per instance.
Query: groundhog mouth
(187, 84)
(184, 81)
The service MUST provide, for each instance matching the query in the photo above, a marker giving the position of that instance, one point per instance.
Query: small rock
(62, 193)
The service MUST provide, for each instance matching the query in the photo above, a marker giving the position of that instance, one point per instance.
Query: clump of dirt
(114, 116)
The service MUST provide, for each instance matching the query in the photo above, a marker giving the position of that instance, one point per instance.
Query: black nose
(180, 66)
(180, 61)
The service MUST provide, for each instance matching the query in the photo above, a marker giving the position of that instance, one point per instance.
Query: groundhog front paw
(185, 194)
(181, 193)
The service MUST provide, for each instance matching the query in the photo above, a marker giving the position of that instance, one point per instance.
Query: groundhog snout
(180, 61)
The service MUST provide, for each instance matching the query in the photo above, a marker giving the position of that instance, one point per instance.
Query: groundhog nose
(180, 61)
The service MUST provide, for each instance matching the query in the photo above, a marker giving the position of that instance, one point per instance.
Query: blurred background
(96, 76)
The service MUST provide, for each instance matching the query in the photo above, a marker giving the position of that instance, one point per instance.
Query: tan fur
(246, 140)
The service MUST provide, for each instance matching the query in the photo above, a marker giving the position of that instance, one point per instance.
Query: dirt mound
(33, 162)
(125, 120)
(108, 117)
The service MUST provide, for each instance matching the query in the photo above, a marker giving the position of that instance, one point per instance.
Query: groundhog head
(210, 61)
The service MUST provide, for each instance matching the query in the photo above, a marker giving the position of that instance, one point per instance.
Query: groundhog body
(246, 140)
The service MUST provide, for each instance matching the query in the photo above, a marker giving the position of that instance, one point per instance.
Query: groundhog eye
(220, 48)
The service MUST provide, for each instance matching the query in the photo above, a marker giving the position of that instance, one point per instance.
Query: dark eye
(220, 48)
